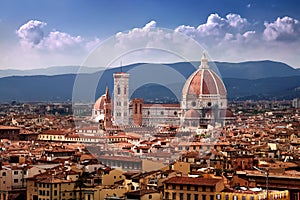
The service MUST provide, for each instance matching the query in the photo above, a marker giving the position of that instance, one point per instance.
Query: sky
(37, 34)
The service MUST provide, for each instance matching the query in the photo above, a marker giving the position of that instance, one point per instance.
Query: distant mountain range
(248, 80)
(57, 70)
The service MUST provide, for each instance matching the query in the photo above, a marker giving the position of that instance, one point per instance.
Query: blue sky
(36, 33)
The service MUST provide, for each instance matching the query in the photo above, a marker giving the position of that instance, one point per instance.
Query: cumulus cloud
(151, 24)
(217, 27)
(31, 33)
(283, 29)
(236, 21)
(60, 40)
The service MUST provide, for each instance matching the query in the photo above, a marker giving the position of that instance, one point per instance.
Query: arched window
(119, 90)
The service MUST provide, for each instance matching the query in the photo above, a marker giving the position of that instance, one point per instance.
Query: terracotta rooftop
(192, 181)
(9, 127)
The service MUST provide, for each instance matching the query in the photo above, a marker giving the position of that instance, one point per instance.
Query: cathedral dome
(192, 114)
(204, 82)
(99, 105)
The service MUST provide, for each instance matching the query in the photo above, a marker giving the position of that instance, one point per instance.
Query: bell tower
(121, 98)
(107, 110)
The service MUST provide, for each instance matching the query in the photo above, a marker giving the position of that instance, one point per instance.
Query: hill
(60, 88)
(244, 70)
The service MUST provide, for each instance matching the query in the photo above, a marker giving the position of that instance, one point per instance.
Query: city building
(204, 101)
(296, 103)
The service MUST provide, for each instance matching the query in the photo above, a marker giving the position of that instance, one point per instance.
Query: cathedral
(203, 102)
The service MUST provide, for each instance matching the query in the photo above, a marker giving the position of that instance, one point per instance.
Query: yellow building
(114, 176)
(196, 188)
(53, 186)
(192, 188)
(104, 192)
(249, 195)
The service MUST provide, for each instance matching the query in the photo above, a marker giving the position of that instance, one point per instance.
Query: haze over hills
(56, 70)
(247, 70)
(249, 80)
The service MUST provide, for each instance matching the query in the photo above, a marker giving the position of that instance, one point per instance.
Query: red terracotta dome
(192, 114)
(99, 105)
(204, 81)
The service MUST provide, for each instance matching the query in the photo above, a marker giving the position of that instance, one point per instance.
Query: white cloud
(236, 21)
(39, 47)
(31, 33)
(151, 24)
(90, 45)
(230, 38)
(60, 40)
(283, 29)
(217, 27)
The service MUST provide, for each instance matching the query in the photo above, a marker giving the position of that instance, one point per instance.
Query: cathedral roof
(204, 81)
(192, 114)
(99, 105)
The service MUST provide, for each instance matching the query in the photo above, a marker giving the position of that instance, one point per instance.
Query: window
(174, 187)
(188, 196)
(16, 180)
(235, 198)
(48, 193)
(55, 192)
(203, 197)
(3, 173)
(211, 197)
(150, 196)
(227, 197)
(40, 192)
(16, 172)
(119, 90)
(203, 188)
(251, 197)
(209, 104)
(125, 90)
(243, 197)
(181, 196)
(174, 196)
(219, 196)
(181, 187)
(188, 187)
(193, 103)
(211, 189)
(167, 195)
(196, 196)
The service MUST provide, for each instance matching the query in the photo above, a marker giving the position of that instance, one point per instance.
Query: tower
(121, 98)
(107, 110)
(137, 115)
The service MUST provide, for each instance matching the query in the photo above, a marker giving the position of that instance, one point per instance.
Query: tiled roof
(192, 181)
